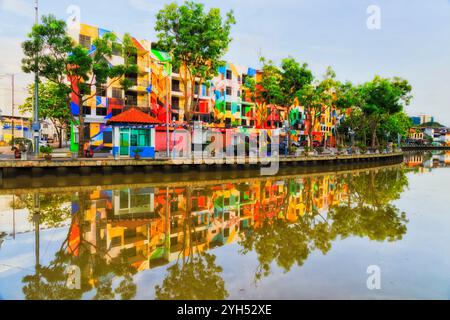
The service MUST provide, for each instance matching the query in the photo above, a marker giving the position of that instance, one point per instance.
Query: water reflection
(426, 161)
(113, 234)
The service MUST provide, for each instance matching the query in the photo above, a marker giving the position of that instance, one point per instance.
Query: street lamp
(36, 123)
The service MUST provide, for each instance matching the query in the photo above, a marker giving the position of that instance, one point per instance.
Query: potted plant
(21, 147)
(362, 148)
(137, 153)
(47, 151)
(307, 151)
(320, 150)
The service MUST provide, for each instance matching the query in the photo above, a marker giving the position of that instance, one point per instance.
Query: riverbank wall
(63, 168)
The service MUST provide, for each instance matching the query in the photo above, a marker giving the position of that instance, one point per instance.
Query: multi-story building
(158, 90)
(111, 100)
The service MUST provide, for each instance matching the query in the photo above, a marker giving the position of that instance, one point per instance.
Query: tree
(396, 125)
(197, 41)
(294, 76)
(76, 71)
(266, 92)
(381, 98)
(316, 98)
(52, 106)
(346, 99)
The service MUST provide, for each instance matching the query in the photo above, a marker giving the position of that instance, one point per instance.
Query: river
(380, 232)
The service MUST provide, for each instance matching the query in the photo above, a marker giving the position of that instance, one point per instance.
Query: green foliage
(196, 40)
(23, 144)
(198, 279)
(294, 77)
(432, 125)
(316, 98)
(53, 105)
(378, 110)
(47, 150)
(59, 59)
(369, 213)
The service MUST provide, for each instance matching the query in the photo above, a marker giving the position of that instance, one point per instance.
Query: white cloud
(18, 7)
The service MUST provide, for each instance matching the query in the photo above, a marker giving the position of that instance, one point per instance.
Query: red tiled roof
(134, 116)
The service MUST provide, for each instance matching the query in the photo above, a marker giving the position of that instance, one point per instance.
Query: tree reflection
(367, 213)
(53, 208)
(101, 276)
(2, 238)
(282, 221)
(195, 275)
(196, 279)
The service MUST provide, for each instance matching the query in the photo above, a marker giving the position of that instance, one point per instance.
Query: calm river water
(308, 235)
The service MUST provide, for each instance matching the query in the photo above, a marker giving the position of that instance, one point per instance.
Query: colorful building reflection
(149, 226)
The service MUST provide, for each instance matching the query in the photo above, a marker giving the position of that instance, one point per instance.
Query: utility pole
(36, 123)
(167, 110)
(12, 112)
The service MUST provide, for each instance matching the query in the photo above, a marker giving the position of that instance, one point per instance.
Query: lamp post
(36, 123)
(167, 111)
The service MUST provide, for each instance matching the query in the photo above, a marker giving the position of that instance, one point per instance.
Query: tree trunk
(374, 138)
(310, 130)
(81, 141)
(59, 134)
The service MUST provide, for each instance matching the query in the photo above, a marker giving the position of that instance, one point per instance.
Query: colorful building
(159, 91)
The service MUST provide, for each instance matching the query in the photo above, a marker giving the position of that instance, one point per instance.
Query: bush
(22, 143)
(46, 150)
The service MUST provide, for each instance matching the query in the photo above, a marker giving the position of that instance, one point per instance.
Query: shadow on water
(117, 231)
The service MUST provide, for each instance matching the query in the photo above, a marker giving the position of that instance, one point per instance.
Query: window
(87, 110)
(100, 111)
(239, 78)
(85, 41)
(197, 89)
(101, 92)
(131, 100)
(117, 93)
(176, 85)
(107, 137)
(175, 103)
(228, 106)
(229, 91)
(229, 75)
(140, 138)
(239, 93)
(116, 112)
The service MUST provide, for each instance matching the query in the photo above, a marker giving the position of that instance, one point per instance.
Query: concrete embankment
(62, 168)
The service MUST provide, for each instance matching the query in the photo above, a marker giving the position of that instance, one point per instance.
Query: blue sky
(413, 42)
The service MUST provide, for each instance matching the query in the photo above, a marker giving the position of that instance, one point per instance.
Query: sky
(413, 41)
